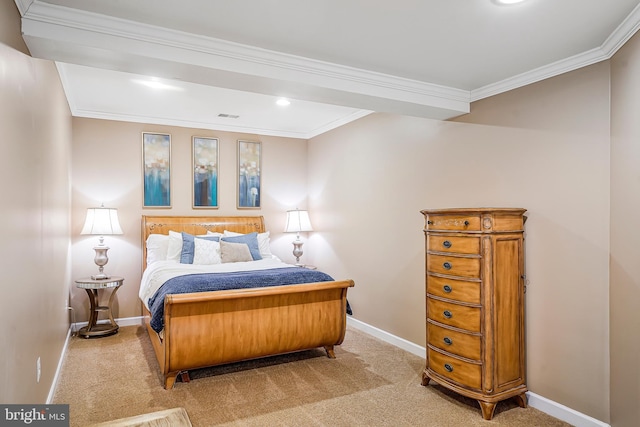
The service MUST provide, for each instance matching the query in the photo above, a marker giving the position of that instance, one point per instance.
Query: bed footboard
(214, 328)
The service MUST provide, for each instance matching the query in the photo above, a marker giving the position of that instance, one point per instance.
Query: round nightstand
(92, 286)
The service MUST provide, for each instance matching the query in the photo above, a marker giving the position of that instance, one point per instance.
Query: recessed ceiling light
(283, 102)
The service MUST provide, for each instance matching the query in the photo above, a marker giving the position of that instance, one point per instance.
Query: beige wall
(34, 189)
(544, 148)
(625, 235)
(107, 159)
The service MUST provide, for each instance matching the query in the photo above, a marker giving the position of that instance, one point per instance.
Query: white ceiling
(337, 60)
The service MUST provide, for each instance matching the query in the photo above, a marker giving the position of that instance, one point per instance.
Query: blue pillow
(189, 247)
(250, 240)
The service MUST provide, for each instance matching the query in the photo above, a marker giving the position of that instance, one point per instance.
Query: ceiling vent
(228, 116)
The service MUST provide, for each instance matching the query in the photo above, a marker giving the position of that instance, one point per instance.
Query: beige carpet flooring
(370, 383)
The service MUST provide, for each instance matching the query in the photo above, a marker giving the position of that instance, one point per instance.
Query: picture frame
(156, 170)
(249, 174)
(205, 167)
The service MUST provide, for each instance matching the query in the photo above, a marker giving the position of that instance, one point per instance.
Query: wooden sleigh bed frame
(213, 328)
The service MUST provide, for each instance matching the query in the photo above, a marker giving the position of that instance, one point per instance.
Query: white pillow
(175, 246)
(264, 242)
(174, 251)
(206, 252)
(214, 233)
(157, 247)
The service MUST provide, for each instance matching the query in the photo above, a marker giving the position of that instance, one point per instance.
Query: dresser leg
(487, 409)
(522, 400)
(425, 379)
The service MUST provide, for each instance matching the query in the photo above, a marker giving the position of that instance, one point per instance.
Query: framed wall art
(249, 169)
(205, 172)
(156, 165)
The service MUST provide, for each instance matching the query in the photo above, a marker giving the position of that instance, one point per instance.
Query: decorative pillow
(214, 233)
(157, 246)
(188, 246)
(234, 252)
(206, 252)
(251, 240)
(264, 242)
(175, 246)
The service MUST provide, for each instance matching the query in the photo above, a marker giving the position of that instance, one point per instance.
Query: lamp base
(101, 260)
(297, 249)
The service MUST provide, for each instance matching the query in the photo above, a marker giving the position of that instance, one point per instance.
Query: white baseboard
(540, 403)
(130, 321)
(123, 321)
(562, 412)
(56, 375)
(387, 337)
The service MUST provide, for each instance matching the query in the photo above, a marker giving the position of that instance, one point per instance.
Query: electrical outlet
(38, 369)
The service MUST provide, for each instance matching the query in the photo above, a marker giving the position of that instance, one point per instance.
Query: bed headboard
(197, 225)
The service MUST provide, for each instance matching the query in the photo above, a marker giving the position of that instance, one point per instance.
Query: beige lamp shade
(297, 221)
(101, 221)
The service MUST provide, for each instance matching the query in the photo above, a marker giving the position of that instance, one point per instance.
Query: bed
(203, 329)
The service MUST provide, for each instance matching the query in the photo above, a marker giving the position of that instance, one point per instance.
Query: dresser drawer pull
(447, 289)
(448, 341)
(447, 314)
(466, 223)
(446, 244)
(447, 266)
(429, 222)
(448, 367)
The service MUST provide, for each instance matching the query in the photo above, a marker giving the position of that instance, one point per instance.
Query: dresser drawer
(465, 373)
(458, 343)
(454, 244)
(453, 222)
(454, 266)
(458, 290)
(459, 316)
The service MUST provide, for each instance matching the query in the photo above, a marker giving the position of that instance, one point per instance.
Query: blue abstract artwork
(205, 172)
(249, 190)
(156, 157)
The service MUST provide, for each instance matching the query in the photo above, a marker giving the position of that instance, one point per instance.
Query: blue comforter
(236, 280)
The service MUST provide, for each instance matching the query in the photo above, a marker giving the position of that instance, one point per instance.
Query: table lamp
(297, 221)
(101, 221)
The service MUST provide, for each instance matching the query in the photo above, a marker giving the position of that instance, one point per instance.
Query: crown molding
(622, 33)
(23, 6)
(615, 41)
(67, 25)
(538, 74)
(337, 123)
(93, 114)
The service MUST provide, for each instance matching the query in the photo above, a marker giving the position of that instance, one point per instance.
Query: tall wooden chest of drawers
(475, 303)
